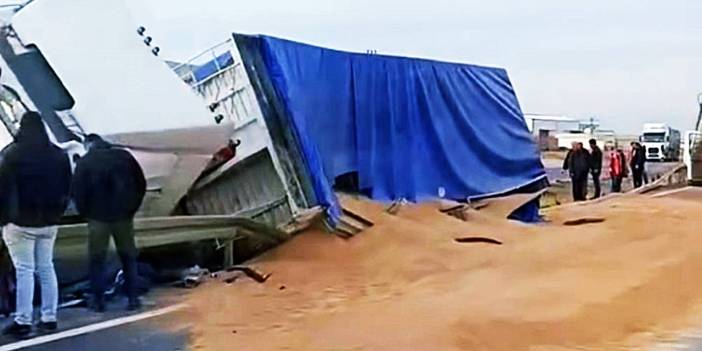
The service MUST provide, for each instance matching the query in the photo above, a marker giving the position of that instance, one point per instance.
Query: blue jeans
(32, 251)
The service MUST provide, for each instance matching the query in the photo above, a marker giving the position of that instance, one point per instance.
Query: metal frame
(254, 116)
(212, 50)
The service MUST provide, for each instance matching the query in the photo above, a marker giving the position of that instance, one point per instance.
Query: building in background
(546, 127)
(553, 132)
(551, 123)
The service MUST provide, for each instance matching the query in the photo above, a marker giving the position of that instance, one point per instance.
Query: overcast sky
(625, 62)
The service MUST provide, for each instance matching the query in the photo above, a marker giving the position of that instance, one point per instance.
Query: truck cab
(94, 74)
(662, 142)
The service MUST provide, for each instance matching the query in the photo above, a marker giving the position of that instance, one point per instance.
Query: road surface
(654, 169)
(160, 327)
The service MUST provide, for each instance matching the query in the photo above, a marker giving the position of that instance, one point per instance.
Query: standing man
(35, 179)
(638, 163)
(596, 166)
(578, 165)
(108, 188)
(617, 170)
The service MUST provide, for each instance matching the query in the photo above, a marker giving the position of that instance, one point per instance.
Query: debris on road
(476, 240)
(582, 221)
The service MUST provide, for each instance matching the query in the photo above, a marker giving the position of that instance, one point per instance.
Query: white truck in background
(662, 142)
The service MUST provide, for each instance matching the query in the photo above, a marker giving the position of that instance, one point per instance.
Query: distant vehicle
(662, 142)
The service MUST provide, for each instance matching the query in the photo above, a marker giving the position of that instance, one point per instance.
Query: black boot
(134, 304)
(17, 330)
(98, 304)
(47, 326)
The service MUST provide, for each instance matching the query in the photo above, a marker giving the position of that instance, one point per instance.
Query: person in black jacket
(638, 163)
(577, 163)
(35, 179)
(108, 189)
(596, 167)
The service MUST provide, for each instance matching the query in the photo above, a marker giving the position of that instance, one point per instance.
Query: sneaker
(17, 330)
(134, 304)
(47, 326)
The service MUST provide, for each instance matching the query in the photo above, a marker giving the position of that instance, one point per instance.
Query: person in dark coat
(108, 189)
(638, 164)
(577, 163)
(35, 179)
(596, 167)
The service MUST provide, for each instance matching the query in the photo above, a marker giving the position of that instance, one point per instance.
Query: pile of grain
(406, 284)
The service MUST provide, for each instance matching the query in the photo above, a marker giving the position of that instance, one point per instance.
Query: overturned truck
(87, 69)
(310, 121)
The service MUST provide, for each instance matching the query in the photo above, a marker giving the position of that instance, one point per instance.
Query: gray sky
(625, 61)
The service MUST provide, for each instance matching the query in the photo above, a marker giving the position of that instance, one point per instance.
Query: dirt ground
(406, 284)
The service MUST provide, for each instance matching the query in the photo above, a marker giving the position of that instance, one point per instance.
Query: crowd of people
(37, 183)
(582, 164)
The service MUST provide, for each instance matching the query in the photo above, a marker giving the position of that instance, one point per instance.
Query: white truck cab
(662, 142)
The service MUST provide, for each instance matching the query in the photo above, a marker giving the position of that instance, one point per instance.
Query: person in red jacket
(617, 170)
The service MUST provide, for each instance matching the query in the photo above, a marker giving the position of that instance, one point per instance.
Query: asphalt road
(158, 327)
(129, 337)
(657, 169)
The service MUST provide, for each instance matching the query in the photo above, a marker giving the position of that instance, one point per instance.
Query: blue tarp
(410, 128)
